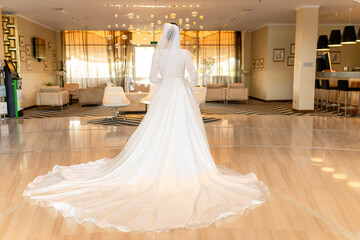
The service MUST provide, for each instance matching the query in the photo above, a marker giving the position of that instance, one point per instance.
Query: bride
(165, 176)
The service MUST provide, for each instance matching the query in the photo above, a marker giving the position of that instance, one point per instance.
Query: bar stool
(317, 93)
(325, 86)
(343, 86)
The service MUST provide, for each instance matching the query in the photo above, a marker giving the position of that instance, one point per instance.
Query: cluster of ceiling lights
(337, 39)
(158, 21)
(348, 36)
(187, 21)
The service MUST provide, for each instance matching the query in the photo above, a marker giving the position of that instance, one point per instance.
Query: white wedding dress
(165, 177)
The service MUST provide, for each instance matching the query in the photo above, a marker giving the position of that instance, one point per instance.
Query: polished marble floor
(310, 163)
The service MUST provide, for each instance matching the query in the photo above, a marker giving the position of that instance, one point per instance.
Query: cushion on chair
(50, 89)
(103, 85)
(71, 87)
(214, 86)
(236, 85)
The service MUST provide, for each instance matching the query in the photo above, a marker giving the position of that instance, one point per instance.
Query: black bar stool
(343, 86)
(325, 101)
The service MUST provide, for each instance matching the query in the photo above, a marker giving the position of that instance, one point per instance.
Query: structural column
(305, 58)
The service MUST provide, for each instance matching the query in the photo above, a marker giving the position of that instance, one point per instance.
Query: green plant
(48, 84)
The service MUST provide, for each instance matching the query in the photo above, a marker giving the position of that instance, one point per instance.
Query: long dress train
(164, 178)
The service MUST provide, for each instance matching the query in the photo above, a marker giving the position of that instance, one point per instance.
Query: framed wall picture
(253, 64)
(21, 41)
(45, 65)
(50, 46)
(261, 63)
(27, 50)
(28, 64)
(290, 61)
(292, 49)
(335, 57)
(257, 63)
(22, 56)
(279, 54)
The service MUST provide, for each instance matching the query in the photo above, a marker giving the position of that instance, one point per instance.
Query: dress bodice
(181, 61)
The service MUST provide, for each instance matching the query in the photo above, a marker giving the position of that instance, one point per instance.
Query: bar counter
(333, 77)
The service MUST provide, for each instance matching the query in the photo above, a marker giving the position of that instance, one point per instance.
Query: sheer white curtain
(94, 57)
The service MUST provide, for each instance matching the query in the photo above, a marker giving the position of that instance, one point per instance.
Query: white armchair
(114, 97)
(52, 96)
(237, 92)
(215, 92)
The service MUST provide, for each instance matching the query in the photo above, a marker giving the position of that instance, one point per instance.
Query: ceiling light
(194, 23)
(173, 15)
(137, 16)
(116, 25)
(116, 15)
(201, 27)
(349, 35)
(159, 22)
(152, 24)
(109, 26)
(124, 25)
(166, 16)
(152, 15)
(131, 15)
(194, 14)
(322, 44)
(187, 26)
(335, 38)
(187, 20)
(201, 17)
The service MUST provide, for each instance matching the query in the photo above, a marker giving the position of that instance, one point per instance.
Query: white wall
(246, 59)
(279, 75)
(259, 49)
(275, 80)
(33, 79)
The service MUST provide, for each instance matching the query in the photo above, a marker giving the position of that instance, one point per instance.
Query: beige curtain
(216, 54)
(94, 57)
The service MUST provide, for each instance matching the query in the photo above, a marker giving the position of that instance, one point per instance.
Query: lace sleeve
(154, 71)
(191, 69)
